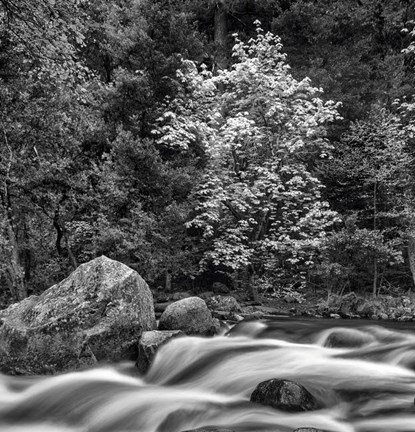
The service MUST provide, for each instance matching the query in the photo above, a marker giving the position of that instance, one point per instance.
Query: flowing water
(196, 382)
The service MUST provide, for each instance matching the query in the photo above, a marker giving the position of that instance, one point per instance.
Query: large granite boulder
(97, 313)
(284, 395)
(190, 315)
(149, 344)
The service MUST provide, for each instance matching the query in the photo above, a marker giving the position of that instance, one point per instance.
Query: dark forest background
(185, 140)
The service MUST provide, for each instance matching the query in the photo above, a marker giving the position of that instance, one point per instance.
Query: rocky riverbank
(105, 312)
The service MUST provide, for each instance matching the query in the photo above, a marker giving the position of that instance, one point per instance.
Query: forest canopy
(268, 145)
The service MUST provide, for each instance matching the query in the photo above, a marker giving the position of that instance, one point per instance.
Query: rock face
(150, 342)
(284, 395)
(191, 315)
(97, 313)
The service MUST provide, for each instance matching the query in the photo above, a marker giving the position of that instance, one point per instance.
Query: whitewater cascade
(196, 382)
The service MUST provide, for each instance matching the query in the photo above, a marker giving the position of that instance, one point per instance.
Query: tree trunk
(15, 271)
(168, 281)
(375, 259)
(220, 35)
(411, 253)
(249, 283)
(61, 234)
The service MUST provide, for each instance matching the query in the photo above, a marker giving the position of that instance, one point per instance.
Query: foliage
(120, 135)
(369, 180)
(142, 210)
(348, 256)
(259, 206)
(352, 49)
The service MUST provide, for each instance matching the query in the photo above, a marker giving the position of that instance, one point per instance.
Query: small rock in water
(191, 315)
(284, 395)
(149, 344)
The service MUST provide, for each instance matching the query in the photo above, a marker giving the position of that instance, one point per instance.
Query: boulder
(366, 309)
(97, 313)
(290, 298)
(348, 338)
(405, 318)
(224, 303)
(149, 344)
(270, 310)
(250, 313)
(161, 307)
(284, 395)
(180, 295)
(191, 315)
(250, 316)
(220, 288)
(206, 295)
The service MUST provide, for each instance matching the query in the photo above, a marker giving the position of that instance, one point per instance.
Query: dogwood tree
(259, 206)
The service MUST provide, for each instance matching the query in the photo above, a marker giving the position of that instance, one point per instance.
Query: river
(195, 382)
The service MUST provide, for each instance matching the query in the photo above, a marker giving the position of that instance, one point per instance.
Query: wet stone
(284, 395)
(149, 344)
(348, 338)
(307, 430)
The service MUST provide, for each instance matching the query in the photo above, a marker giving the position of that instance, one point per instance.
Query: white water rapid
(196, 382)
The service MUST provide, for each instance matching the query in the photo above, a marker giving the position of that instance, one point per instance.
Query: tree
(259, 208)
(350, 48)
(45, 114)
(142, 209)
(368, 179)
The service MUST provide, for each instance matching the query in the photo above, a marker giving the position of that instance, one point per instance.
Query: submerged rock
(149, 344)
(97, 313)
(191, 315)
(307, 430)
(348, 338)
(284, 395)
(209, 429)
